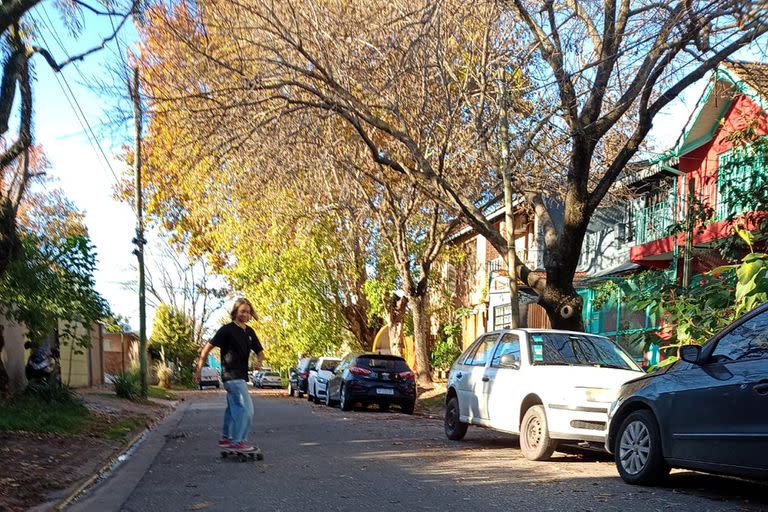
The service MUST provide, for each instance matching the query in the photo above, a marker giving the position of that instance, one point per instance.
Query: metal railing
(655, 222)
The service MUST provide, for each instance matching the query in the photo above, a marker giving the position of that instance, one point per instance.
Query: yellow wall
(80, 370)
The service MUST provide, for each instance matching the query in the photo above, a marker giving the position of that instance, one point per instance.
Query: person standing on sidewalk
(235, 340)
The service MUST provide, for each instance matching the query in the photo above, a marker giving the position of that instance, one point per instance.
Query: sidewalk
(50, 467)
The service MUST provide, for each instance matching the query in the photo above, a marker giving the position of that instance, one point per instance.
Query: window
(502, 316)
(577, 350)
(747, 341)
(739, 174)
(482, 351)
(510, 344)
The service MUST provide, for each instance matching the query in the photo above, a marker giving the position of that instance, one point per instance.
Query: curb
(105, 468)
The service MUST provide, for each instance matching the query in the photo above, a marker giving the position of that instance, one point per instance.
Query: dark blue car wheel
(638, 454)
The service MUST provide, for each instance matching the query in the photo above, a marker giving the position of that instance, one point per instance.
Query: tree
(601, 71)
(172, 337)
(50, 288)
(186, 284)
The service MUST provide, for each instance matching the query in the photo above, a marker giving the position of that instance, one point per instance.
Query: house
(480, 282)
(121, 351)
(703, 172)
(706, 169)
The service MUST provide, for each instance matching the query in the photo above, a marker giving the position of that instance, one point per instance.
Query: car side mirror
(690, 353)
(509, 361)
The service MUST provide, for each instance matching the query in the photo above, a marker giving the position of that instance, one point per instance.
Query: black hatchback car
(708, 411)
(372, 378)
(297, 378)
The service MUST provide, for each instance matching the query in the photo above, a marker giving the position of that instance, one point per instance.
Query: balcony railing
(655, 222)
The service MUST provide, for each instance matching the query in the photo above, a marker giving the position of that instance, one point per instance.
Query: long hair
(239, 302)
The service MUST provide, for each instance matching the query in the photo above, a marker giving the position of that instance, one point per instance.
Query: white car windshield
(577, 350)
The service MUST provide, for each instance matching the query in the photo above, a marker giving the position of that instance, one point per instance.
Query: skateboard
(242, 456)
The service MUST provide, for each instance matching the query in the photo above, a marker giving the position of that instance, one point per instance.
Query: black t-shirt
(235, 344)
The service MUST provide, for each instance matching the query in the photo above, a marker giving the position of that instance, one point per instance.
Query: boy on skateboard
(235, 340)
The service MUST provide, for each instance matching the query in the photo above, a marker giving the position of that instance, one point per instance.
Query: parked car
(548, 386)
(209, 376)
(319, 375)
(302, 376)
(269, 379)
(255, 377)
(293, 381)
(372, 378)
(708, 411)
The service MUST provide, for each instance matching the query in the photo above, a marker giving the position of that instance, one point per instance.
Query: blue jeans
(239, 413)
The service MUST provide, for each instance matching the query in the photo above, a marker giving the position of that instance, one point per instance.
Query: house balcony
(656, 221)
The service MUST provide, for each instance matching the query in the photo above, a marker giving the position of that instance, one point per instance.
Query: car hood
(585, 376)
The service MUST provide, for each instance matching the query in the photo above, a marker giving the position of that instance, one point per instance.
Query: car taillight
(356, 370)
(407, 374)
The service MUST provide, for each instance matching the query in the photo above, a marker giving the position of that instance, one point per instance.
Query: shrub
(164, 375)
(128, 384)
(53, 391)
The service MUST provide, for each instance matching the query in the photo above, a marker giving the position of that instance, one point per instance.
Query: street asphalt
(322, 459)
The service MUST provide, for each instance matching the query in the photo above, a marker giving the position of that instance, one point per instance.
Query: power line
(78, 111)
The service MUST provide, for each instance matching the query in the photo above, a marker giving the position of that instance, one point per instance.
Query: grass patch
(120, 430)
(158, 392)
(31, 413)
(435, 401)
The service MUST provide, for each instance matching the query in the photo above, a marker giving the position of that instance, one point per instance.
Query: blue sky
(79, 169)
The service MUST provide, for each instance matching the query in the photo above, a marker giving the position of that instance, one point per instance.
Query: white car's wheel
(535, 442)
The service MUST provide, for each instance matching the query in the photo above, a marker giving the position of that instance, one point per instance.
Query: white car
(319, 374)
(547, 386)
(209, 376)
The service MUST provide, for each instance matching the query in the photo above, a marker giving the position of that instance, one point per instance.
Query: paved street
(322, 459)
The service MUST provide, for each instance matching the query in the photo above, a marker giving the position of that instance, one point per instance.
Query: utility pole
(688, 248)
(139, 241)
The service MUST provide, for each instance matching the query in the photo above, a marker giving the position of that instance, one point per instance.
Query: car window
(395, 364)
(469, 351)
(509, 344)
(747, 341)
(557, 348)
(328, 365)
(482, 351)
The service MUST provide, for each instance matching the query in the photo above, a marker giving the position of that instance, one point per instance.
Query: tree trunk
(4, 379)
(396, 315)
(358, 324)
(563, 306)
(10, 246)
(421, 341)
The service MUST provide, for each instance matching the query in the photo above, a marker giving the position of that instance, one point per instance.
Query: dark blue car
(707, 412)
(372, 379)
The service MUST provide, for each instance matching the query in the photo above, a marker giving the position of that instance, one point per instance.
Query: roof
(730, 79)
(753, 73)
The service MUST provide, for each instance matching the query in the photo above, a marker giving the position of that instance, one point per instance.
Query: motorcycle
(42, 364)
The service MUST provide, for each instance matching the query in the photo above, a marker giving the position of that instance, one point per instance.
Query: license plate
(385, 391)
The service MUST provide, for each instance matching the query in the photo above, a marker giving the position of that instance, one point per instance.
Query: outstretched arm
(201, 361)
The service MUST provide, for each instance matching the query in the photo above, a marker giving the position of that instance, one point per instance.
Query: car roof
(531, 330)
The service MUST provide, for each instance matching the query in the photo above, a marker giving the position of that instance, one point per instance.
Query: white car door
(503, 385)
(476, 383)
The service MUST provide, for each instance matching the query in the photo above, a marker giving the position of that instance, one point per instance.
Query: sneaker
(243, 447)
(224, 442)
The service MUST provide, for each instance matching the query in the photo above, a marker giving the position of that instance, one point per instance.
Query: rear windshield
(383, 363)
(271, 374)
(306, 363)
(577, 350)
(328, 365)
